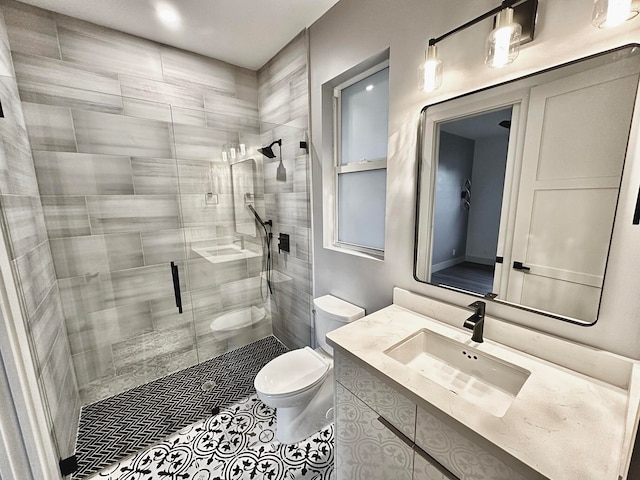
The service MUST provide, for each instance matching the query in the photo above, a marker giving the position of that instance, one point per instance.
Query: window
(361, 118)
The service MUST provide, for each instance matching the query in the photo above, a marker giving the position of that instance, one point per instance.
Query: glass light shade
(611, 13)
(430, 72)
(503, 43)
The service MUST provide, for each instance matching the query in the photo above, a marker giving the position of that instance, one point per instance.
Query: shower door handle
(176, 286)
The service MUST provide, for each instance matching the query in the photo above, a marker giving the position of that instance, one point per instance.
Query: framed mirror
(518, 185)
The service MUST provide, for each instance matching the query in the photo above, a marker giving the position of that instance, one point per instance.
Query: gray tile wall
(25, 233)
(126, 136)
(283, 100)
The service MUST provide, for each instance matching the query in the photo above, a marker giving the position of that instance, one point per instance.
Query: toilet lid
(291, 372)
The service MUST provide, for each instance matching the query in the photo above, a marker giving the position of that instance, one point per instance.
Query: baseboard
(446, 264)
(480, 260)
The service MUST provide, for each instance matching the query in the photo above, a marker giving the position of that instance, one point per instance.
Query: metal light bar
(525, 16)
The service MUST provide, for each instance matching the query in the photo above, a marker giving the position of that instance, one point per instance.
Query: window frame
(362, 166)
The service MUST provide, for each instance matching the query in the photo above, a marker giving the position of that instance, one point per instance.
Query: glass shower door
(223, 178)
(113, 216)
(219, 175)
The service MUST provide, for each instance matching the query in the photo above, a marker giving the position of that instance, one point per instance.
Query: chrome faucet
(476, 321)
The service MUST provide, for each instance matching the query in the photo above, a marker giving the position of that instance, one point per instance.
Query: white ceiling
(242, 32)
(479, 126)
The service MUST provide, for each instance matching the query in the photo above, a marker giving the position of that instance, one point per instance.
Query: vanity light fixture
(503, 43)
(233, 151)
(430, 72)
(514, 25)
(611, 13)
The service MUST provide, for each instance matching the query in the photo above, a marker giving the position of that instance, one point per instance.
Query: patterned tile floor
(236, 444)
(122, 425)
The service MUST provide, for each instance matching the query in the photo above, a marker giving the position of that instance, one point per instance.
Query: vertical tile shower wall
(126, 136)
(283, 99)
(23, 227)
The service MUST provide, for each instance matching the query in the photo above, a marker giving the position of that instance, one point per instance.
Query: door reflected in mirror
(472, 160)
(519, 184)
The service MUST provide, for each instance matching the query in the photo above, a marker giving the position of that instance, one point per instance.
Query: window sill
(351, 251)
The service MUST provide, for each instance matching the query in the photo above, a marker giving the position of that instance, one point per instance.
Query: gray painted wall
(489, 164)
(455, 164)
(345, 37)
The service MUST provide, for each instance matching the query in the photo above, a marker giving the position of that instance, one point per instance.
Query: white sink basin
(224, 253)
(484, 380)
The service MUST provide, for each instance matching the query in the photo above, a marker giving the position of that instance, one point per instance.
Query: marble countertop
(564, 424)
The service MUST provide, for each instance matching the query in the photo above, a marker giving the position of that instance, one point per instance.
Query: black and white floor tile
(236, 444)
(122, 425)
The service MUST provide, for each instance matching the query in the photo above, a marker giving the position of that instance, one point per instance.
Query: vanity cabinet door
(393, 406)
(426, 469)
(365, 447)
(457, 453)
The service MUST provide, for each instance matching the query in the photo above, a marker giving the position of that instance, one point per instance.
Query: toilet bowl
(299, 383)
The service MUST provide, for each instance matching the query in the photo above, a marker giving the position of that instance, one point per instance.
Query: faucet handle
(479, 306)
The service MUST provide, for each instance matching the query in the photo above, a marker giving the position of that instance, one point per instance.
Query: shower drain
(208, 385)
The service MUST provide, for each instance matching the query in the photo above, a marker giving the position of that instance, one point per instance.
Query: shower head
(268, 151)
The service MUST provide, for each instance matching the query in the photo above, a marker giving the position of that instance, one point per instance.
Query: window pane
(361, 202)
(364, 120)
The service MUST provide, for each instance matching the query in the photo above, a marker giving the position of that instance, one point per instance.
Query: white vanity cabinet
(459, 454)
(425, 469)
(367, 449)
(381, 434)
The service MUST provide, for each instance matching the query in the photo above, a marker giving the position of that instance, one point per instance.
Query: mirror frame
(419, 196)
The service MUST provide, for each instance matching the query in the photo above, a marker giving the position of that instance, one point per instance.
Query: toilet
(299, 383)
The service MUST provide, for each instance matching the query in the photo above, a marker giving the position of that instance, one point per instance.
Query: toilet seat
(291, 373)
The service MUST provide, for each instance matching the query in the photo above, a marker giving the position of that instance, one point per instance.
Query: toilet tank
(331, 313)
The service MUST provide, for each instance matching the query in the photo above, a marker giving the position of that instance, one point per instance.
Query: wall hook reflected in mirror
(465, 195)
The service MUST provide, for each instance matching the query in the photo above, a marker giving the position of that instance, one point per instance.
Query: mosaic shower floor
(236, 444)
(125, 424)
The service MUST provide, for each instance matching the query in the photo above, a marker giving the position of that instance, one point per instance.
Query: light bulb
(232, 151)
(224, 156)
(243, 149)
(611, 13)
(503, 43)
(168, 15)
(430, 72)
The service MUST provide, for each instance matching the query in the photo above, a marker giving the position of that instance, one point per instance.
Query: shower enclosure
(160, 262)
(166, 268)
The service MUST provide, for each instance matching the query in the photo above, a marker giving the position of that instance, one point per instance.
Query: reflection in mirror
(243, 181)
(472, 159)
(519, 183)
